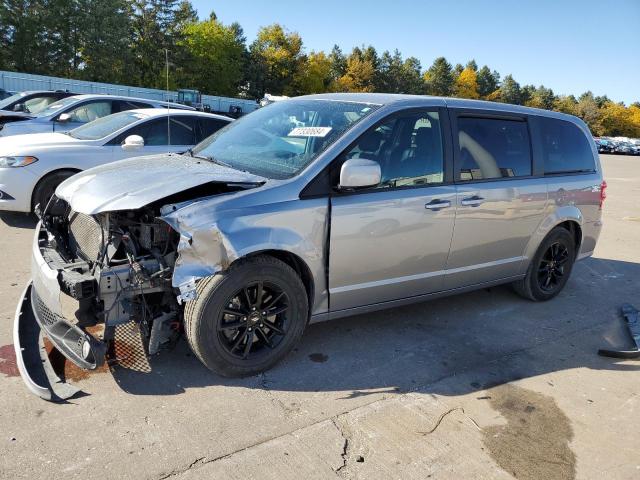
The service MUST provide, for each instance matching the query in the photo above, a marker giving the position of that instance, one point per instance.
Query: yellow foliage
(466, 85)
(358, 77)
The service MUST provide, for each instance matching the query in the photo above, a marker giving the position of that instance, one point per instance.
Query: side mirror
(359, 173)
(18, 107)
(63, 118)
(133, 142)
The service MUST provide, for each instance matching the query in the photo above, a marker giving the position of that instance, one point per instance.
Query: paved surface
(483, 385)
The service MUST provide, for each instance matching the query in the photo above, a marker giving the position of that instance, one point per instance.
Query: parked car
(30, 102)
(4, 94)
(71, 112)
(625, 148)
(246, 242)
(604, 146)
(33, 165)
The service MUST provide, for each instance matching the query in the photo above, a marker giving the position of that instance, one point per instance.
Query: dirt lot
(483, 385)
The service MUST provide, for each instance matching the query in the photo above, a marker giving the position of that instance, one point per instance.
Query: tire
(221, 340)
(46, 188)
(536, 285)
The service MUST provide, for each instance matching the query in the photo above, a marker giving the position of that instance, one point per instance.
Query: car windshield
(104, 126)
(279, 140)
(9, 100)
(55, 107)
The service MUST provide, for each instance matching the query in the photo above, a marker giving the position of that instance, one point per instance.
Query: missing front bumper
(31, 357)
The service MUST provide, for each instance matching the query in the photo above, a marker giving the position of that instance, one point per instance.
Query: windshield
(279, 140)
(104, 126)
(9, 100)
(57, 106)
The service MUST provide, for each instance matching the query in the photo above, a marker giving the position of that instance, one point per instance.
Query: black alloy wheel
(551, 267)
(254, 320)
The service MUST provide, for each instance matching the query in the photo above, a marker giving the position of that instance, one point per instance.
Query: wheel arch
(295, 262)
(48, 175)
(568, 217)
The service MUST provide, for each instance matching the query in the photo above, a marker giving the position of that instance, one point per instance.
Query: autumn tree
(466, 84)
(359, 74)
(587, 109)
(315, 75)
(565, 104)
(275, 57)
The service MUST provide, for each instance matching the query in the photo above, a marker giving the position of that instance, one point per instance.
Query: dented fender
(212, 238)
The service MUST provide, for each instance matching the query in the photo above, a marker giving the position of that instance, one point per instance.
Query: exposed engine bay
(118, 267)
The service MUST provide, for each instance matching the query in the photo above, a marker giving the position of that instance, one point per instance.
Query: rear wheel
(46, 188)
(247, 319)
(550, 267)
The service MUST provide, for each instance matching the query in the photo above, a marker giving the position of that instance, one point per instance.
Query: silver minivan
(306, 210)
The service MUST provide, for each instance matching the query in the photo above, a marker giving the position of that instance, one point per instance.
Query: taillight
(603, 193)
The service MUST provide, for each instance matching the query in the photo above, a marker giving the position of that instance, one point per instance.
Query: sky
(570, 46)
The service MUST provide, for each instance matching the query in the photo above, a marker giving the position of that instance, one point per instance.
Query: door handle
(436, 205)
(474, 201)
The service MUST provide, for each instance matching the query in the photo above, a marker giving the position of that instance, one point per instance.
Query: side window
(90, 111)
(408, 148)
(37, 104)
(493, 148)
(209, 126)
(564, 147)
(182, 132)
(124, 105)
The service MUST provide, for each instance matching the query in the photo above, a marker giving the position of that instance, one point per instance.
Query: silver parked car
(309, 209)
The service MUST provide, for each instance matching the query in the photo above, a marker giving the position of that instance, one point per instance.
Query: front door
(500, 200)
(391, 242)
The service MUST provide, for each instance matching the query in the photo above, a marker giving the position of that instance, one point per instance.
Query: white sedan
(33, 165)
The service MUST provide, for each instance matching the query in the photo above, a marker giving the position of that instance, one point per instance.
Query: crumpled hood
(133, 183)
(14, 143)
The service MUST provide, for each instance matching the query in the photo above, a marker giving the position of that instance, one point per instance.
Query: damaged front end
(92, 273)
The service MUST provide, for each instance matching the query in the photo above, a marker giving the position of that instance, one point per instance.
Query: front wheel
(550, 267)
(245, 320)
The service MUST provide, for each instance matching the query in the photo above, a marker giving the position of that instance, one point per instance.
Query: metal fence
(19, 82)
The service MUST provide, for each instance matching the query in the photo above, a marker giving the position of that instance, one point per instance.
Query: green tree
(510, 91)
(542, 97)
(156, 26)
(275, 57)
(488, 81)
(22, 22)
(106, 39)
(565, 104)
(315, 75)
(338, 63)
(587, 109)
(439, 78)
(215, 57)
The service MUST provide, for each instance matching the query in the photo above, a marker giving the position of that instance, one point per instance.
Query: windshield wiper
(213, 160)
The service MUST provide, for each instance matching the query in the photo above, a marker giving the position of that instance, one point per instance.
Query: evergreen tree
(488, 81)
(510, 91)
(439, 78)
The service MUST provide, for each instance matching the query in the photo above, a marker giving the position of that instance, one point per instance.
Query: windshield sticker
(310, 132)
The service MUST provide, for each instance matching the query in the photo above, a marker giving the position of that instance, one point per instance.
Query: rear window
(564, 147)
(493, 148)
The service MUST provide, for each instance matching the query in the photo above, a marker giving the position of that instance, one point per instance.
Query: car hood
(8, 114)
(9, 145)
(133, 183)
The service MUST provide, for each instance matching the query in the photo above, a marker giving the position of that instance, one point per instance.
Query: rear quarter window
(565, 148)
